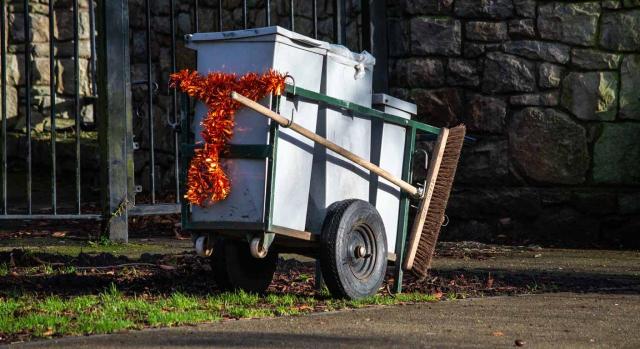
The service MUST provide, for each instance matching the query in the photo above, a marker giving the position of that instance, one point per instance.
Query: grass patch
(25, 317)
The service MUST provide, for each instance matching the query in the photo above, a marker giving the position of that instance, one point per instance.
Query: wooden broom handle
(412, 190)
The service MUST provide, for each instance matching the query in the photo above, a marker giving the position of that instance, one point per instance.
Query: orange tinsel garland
(206, 180)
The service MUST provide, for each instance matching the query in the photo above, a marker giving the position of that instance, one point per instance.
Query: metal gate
(89, 79)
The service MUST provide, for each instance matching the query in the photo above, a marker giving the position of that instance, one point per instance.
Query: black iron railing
(110, 92)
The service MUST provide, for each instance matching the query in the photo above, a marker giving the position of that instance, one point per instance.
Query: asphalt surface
(562, 320)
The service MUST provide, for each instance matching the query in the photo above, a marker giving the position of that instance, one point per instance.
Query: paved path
(563, 320)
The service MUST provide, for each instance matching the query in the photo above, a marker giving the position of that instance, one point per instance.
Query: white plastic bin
(258, 50)
(307, 178)
(349, 77)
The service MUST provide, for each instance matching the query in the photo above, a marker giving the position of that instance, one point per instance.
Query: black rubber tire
(349, 223)
(235, 269)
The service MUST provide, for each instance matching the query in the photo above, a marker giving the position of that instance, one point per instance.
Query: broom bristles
(439, 200)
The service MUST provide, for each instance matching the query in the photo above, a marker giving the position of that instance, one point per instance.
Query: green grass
(112, 311)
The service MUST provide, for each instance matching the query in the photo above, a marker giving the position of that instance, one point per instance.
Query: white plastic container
(258, 50)
(307, 178)
(349, 77)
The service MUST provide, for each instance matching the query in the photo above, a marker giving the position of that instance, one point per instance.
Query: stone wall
(551, 90)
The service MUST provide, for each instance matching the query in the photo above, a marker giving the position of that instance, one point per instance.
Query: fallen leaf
(59, 234)
(48, 333)
(438, 295)
(497, 333)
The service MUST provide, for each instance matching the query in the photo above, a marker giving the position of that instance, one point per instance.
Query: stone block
(616, 154)
(547, 146)
(546, 51)
(485, 113)
(487, 161)
(428, 7)
(620, 30)
(63, 19)
(525, 8)
(12, 102)
(630, 87)
(631, 3)
(66, 74)
(417, 72)
(15, 70)
(494, 9)
(39, 32)
(399, 38)
(594, 59)
(543, 99)
(462, 72)
(591, 95)
(611, 4)
(486, 31)
(507, 73)
(549, 75)
(495, 202)
(571, 23)
(436, 36)
(594, 202)
(439, 107)
(473, 50)
(629, 203)
(522, 28)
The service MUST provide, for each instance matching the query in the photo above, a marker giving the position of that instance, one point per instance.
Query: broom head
(426, 226)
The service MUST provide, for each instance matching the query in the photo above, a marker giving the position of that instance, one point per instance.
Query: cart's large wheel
(353, 255)
(234, 267)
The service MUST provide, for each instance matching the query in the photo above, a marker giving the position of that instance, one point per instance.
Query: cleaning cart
(323, 170)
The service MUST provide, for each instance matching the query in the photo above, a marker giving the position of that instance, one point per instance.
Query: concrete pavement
(562, 320)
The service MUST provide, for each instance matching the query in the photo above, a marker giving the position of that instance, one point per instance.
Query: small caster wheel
(234, 268)
(353, 254)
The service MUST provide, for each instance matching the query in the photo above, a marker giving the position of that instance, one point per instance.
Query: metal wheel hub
(362, 249)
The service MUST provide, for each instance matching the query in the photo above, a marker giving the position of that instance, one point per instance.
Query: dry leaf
(497, 333)
(59, 234)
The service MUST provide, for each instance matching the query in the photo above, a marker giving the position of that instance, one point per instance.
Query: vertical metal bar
(76, 102)
(244, 14)
(27, 71)
(152, 150)
(196, 14)
(291, 16)
(52, 93)
(219, 16)
(174, 95)
(374, 39)
(315, 18)
(339, 29)
(403, 221)
(115, 115)
(268, 12)
(92, 43)
(3, 81)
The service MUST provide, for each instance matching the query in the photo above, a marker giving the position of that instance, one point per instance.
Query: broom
(440, 175)
(433, 197)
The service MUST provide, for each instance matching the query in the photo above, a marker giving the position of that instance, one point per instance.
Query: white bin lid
(397, 103)
(259, 34)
